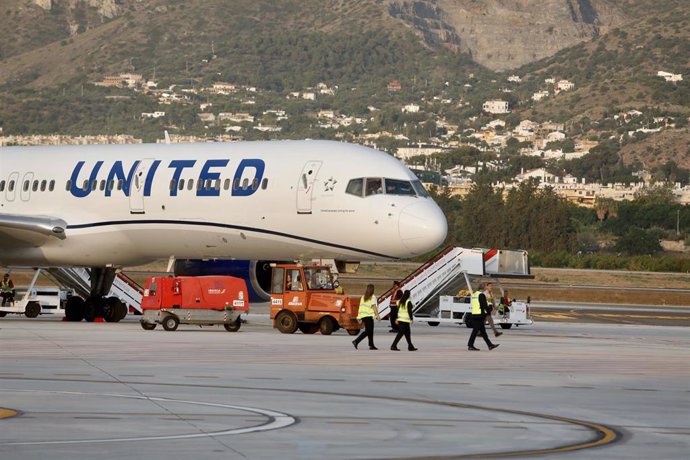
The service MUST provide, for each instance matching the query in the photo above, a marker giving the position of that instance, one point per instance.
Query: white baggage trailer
(36, 300)
(458, 310)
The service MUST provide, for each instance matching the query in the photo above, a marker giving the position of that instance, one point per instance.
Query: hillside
(57, 41)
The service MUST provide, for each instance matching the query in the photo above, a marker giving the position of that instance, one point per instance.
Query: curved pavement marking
(276, 420)
(601, 434)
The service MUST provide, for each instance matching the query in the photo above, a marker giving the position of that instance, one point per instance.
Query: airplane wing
(29, 231)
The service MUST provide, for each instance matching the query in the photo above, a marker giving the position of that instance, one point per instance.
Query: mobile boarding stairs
(449, 272)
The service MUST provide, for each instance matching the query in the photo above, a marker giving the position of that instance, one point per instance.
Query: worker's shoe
(472, 348)
(498, 334)
(491, 347)
(354, 342)
(395, 348)
(374, 348)
(412, 349)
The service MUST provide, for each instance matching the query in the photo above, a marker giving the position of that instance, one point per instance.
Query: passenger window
(172, 185)
(255, 184)
(190, 184)
(264, 183)
(34, 188)
(43, 185)
(236, 184)
(102, 187)
(10, 187)
(68, 185)
(111, 185)
(26, 186)
(399, 187)
(374, 186)
(120, 184)
(245, 184)
(354, 187)
(226, 184)
(51, 185)
(180, 186)
(94, 184)
(2, 186)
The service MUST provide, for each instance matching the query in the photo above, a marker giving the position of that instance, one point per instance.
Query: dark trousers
(394, 317)
(368, 331)
(403, 329)
(478, 327)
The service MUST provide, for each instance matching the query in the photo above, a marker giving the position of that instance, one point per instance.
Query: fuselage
(279, 200)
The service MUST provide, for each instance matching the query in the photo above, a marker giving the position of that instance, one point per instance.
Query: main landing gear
(97, 305)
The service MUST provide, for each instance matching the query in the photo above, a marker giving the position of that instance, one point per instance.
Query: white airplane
(108, 206)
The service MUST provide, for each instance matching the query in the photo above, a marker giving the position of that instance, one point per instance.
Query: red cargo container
(202, 300)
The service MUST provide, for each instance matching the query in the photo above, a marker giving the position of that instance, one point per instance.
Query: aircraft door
(136, 190)
(11, 186)
(25, 191)
(305, 187)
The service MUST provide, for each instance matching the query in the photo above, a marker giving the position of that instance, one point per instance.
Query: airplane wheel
(434, 323)
(353, 331)
(122, 311)
(233, 327)
(113, 309)
(148, 326)
(327, 325)
(170, 323)
(286, 322)
(90, 310)
(74, 309)
(506, 326)
(3, 314)
(308, 328)
(33, 309)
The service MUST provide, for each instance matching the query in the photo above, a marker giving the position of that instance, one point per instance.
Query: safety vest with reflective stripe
(6, 286)
(476, 307)
(404, 312)
(365, 307)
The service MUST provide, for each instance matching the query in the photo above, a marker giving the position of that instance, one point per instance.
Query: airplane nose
(422, 227)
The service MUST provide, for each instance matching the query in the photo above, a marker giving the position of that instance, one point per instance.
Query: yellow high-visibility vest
(404, 312)
(476, 307)
(365, 307)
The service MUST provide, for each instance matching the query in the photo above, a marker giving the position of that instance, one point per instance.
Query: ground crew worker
(368, 310)
(394, 305)
(404, 322)
(490, 302)
(480, 308)
(7, 289)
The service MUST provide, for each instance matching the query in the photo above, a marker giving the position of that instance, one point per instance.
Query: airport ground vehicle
(457, 309)
(304, 297)
(202, 300)
(36, 300)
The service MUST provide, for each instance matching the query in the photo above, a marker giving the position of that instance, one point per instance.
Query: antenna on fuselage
(167, 137)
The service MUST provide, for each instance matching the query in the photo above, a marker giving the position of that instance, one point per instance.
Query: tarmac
(551, 390)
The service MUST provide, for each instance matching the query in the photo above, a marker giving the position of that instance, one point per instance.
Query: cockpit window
(374, 186)
(421, 191)
(354, 187)
(399, 187)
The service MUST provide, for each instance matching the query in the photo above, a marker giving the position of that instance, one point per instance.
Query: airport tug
(306, 297)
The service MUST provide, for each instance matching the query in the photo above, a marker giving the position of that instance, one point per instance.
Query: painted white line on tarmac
(277, 420)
